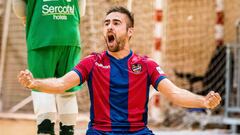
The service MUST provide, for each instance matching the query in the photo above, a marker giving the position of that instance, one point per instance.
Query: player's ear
(130, 31)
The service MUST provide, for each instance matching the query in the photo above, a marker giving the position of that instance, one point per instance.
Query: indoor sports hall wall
(232, 15)
(189, 42)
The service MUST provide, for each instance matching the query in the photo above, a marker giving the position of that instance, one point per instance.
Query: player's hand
(24, 21)
(25, 78)
(212, 99)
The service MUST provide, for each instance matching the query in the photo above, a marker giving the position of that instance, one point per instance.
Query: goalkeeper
(53, 48)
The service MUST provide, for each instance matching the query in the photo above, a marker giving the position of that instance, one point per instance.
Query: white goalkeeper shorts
(61, 103)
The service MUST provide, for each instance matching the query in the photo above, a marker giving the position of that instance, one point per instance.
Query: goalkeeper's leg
(45, 109)
(68, 111)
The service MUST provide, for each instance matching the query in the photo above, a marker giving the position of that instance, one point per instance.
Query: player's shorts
(62, 103)
(145, 131)
(53, 61)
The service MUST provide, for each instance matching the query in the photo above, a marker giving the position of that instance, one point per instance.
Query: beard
(116, 45)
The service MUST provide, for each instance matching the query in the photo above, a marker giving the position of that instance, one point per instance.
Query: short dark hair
(125, 11)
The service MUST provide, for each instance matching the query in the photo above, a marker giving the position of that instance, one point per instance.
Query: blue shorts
(145, 131)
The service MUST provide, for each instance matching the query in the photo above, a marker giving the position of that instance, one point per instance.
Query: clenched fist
(25, 78)
(212, 99)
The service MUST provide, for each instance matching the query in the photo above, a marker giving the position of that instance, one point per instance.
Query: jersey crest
(136, 68)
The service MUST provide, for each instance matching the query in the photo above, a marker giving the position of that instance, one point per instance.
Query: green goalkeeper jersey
(52, 23)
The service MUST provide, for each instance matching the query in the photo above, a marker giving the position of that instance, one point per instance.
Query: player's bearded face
(115, 42)
(115, 32)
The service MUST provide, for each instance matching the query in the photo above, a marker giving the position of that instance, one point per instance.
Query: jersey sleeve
(84, 67)
(155, 72)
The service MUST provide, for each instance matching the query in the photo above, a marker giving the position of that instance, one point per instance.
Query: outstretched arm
(186, 98)
(82, 4)
(50, 85)
(19, 9)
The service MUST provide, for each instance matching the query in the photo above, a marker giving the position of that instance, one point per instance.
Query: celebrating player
(53, 43)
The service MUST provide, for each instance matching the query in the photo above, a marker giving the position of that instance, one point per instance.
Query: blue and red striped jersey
(119, 89)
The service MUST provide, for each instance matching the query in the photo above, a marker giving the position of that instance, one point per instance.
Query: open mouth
(111, 38)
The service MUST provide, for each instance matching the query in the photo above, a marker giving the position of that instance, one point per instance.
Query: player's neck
(120, 54)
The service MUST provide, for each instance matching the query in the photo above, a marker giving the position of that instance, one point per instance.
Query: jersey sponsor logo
(102, 66)
(58, 12)
(136, 68)
(51, 10)
(159, 70)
